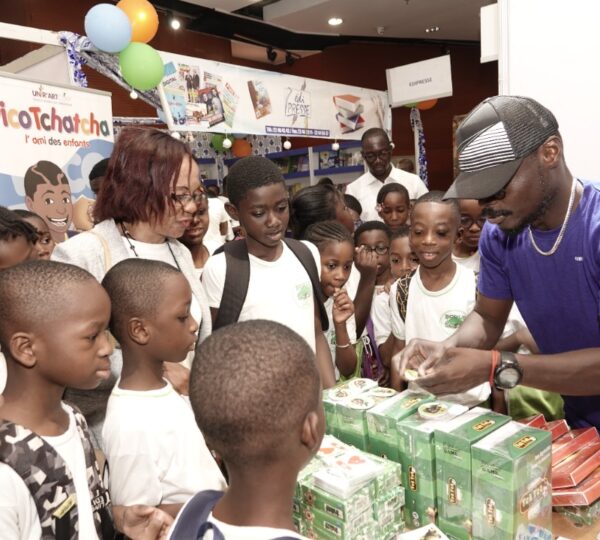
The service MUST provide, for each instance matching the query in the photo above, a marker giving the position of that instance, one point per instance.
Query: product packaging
(453, 442)
(557, 428)
(511, 484)
(417, 455)
(576, 467)
(536, 421)
(571, 442)
(428, 532)
(382, 420)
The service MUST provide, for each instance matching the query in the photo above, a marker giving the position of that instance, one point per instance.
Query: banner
(420, 81)
(51, 136)
(203, 95)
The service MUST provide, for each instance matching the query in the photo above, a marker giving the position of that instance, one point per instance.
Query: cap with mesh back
(493, 140)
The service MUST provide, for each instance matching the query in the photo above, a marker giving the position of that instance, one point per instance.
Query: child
(402, 259)
(337, 254)
(283, 282)
(194, 237)
(53, 333)
(374, 236)
(393, 205)
(354, 208)
(17, 239)
(440, 293)
(466, 248)
(154, 450)
(44, 245)
(264, 418)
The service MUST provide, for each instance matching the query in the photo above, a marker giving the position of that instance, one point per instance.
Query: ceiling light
(335, 21)
(174, 22)
(432, 29)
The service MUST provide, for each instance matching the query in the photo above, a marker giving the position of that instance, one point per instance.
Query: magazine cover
(260, 98)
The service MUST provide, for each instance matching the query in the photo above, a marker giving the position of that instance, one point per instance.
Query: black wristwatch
(508, 372)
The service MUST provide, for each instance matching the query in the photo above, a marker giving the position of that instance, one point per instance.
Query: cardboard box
(557, 428)
(584, 494)
(453, 442)
(383, 418)
(389, 479)
(571, 442)
(576, 467)
(417, 455)
(511, 483)
(340, 392)
(536, 421)
(315, 519)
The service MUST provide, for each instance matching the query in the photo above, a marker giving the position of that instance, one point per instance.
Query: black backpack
(191, 523)
(237, 279)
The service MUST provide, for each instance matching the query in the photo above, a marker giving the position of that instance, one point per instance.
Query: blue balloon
(108, 28)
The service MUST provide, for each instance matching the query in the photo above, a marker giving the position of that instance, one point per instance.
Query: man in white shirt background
(218, 220)
(377, 153)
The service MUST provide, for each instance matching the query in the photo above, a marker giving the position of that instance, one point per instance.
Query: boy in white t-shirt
(53, 334)
(279, 287)
(256, 395)
(441, 293)
(156, 454)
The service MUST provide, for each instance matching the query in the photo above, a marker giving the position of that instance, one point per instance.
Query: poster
(51, 138)
(204, 95)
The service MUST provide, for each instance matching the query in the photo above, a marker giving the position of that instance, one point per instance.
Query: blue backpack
(191, 522)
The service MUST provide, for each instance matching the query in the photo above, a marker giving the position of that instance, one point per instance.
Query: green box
(453, 442)
(351, 419)
(389, 480)
(417, 455)
(512, 491)
(337, 528)
(382, 420)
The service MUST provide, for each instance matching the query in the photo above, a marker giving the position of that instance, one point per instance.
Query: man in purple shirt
(539, 248)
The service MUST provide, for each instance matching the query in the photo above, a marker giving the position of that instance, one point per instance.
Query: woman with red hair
(147, 199)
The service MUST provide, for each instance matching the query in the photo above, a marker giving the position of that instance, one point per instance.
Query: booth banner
(51, 138)
(204, 95)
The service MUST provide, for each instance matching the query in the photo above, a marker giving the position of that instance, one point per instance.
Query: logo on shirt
(579, 259)
(303, 291)
(452, 319)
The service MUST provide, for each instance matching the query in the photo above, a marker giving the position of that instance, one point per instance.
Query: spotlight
(289, 59)
(271, 54)
(174, 22)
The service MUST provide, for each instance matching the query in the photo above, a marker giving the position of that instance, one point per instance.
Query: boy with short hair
(466, 247)
(280, 287)
(441, 293)
(53, 333)
(156, 454)
(265, 419)
(402, 259)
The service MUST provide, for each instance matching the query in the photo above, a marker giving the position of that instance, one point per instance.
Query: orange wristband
(495, 359)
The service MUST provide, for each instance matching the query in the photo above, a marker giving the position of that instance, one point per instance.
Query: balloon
(108, 28)
(217, 141)
(241, 148)
(425, 105)
(411, 105)
(143, 18)
(141, 66)
(227, 143)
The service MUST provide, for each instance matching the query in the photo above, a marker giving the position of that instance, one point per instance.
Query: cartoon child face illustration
(48, 194)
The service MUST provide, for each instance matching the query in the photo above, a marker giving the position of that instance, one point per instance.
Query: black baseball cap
(494, 139)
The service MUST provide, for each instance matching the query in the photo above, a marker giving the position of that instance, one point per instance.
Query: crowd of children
(337, 301)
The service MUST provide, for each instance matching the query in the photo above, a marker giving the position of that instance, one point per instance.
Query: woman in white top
(147, 199)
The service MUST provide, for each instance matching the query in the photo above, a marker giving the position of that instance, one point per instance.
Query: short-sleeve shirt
(558, 295)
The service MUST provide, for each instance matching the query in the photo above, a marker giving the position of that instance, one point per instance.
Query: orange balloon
(241, 148)
(143, 18)
(428, 104)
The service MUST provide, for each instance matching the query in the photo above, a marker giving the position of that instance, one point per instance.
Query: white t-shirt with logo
(18, 515)
(436, 315)
(278, 291)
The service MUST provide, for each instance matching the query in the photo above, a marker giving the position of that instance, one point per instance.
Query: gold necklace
(563, 227)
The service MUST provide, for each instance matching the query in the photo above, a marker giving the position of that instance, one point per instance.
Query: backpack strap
(305, 257)
(193, 517)
(237, 279)
(402, 294)
(47, 478)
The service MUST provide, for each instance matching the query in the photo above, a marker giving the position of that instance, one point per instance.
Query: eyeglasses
(186, 198)
(467, 222)
(380, 250)
(382, 154)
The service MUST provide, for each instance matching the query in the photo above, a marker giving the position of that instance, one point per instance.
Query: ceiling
(456, 19)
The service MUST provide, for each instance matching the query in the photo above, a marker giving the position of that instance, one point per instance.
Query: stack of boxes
(347, 494)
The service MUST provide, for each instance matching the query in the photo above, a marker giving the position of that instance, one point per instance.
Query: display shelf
(360, 169)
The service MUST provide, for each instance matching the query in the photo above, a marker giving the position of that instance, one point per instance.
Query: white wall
(550, 51)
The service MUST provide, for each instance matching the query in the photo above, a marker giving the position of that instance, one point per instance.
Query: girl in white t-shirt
(336, 248)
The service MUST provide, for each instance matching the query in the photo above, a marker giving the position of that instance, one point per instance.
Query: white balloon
(227, 143)
(176, 135)
(287, 145)
(335, 146)
(133, 94)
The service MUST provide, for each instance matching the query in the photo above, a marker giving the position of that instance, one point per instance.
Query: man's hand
(141, 522)
(178, 376)
(419, 354)
(343, 308)
(365, 261)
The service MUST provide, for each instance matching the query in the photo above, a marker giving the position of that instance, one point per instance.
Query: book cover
(229, 99)
(260, 98)
(211, 107)
(348, 102)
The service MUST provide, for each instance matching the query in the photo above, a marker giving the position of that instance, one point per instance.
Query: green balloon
(217, 142)
(411, 105)
(141, 66)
